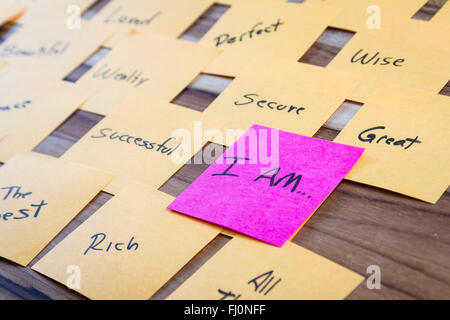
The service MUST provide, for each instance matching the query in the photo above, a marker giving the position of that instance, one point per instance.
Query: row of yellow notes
(157, 243)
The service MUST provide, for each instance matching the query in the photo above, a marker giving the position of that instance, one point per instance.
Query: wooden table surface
(357, 226)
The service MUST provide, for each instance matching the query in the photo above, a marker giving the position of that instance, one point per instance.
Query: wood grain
(357, 226)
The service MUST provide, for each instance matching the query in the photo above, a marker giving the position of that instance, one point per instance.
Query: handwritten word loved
(137, 141)
(292, 179)
(251, 98)
(105, 72)
(119, 18)
(365, 136)
(18, 105)
(56, 49)
(256, 30)
(98, 245)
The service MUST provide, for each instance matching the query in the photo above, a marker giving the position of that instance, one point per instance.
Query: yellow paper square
(51, 50)
(262, 96)
(126, 142)
(279, 30)
(144, 63)
(9, 11)
(356, 15)
(254, 271)
(39, 196)
(417, 62)
(419, 170)
(31, 107)
(166, 241)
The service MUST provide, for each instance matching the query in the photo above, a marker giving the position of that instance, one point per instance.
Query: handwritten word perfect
(257, 30)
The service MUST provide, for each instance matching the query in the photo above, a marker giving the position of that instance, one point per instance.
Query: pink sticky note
(268, 183)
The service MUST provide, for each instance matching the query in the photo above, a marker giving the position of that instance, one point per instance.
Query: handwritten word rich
(31, 212)
(256, 30)
(14, 192)
(135, 78)
(117, 17)
(274, 180)
(365, 136)
(375, 59)
(269, 104)
(57, 48)
(99, 238)
(18, 105)
(140, 142)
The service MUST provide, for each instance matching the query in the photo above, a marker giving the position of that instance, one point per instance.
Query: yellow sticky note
(51, 50)
(39, 196)
(358, 15)
(144, 140)
(389, 55)
(149, 244)
(31, 107)
(144, 63)
(260, 95)
(443, 15)
(161, 17)
(10, 11)
(248, 30)
(63, 12)
(248, 270)
(406, 137)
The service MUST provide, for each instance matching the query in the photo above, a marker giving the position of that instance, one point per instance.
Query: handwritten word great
(117, 17)
(251, 97)
(105, 72)
(248, 35)
(18, 105)
(365, 136)
(375, 59)
(57, 48)
(99, 238)
(137, 141)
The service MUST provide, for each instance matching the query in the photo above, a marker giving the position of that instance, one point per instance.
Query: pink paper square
(251, 197)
